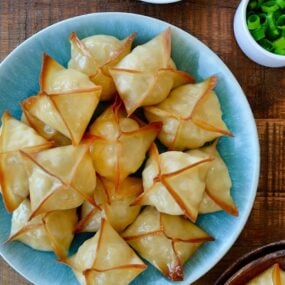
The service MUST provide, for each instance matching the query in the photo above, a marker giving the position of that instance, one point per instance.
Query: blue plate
(19, 74)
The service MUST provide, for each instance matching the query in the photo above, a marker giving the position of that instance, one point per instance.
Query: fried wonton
(95, 55)
(53, 231)
(55, 79)
(191, 116)
(120, 143)
(113, 204)
(65, 104)
(174, 182)
(105, 259)
(16, 136)
(217, 195)
(68, 113)
(44, 130)
(146, 75)
(60, 178)
(166, 241)
(273, 275)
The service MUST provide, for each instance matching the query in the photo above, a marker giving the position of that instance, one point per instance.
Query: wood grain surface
(210, 21)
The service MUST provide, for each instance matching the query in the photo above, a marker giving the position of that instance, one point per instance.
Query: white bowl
(247, 43)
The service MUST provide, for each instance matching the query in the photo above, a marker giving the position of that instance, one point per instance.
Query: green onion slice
(253, 22)
(263, 19)
(281, 22)
(281, 3)
(266, 44)
(279, 43)
(269, 7)
(272, 30)
(252, 5)
(259, 33)
(279, 51)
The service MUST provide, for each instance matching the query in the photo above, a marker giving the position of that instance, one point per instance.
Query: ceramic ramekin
(254, 263)
(247, 43)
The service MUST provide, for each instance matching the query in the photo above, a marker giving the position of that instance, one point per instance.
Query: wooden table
(210, 21)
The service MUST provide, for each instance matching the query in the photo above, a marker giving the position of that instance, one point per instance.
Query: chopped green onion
(273, 34)
(263, 19)
(279, 51)
(259, 33)
(266, 44)
(266, 23)
(253, 22)
(279, 44)
(249, 13)
(272, 30)
(269, 7)
(281, 22)
(277, 14)
(253, 5)
(281, 3)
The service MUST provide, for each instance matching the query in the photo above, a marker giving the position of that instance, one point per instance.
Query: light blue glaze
(19, 79)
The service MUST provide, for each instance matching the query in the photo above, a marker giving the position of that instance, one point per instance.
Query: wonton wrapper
(217, 195)
(95, 55)
(56, 79)
(60, 178)
(48, 232)
(272, 276)
(66, 102)
(191, 116)
(120, 144)
(174, 182)
(146, 75)
(16, 136)
(67, 113)
(166, 241)
(105, 259)
(44, 130)
(113, 204)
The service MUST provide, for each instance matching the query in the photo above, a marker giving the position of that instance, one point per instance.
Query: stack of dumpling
(66, 157)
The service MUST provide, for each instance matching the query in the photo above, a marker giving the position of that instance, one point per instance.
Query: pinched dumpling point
(166, 241)
(191, 116)
(174, 182)
(217, 195)
(67, 113)
(120, 144)
(113, 204)
(157, 51)
(105, 259)
(60, 178)
(146, 75)
(55, 79)
(66, 102)
(16, 136)
(95, 55)
(43, 129)
(53, 231)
